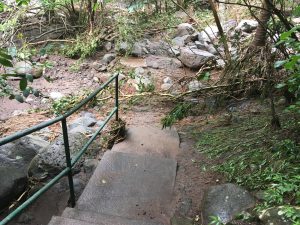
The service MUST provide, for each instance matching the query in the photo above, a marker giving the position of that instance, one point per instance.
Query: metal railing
(69, 162)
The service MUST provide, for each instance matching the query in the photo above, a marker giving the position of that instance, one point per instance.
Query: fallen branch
(52, 40)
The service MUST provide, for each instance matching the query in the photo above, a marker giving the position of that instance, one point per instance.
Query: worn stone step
(103, 219)
(57, 220)
(151, 141)
(131, 186)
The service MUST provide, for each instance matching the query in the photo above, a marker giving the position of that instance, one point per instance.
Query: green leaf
(281, 85)
(278, 64)
(19, 98)
(204, 76)
(23, 84)
(36, 93)
(26, 92)
(5, 62)
(29, 77)
(4, 55)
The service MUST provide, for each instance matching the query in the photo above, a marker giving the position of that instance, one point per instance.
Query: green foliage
(292, 66)
(255, 157)
(68, 102)
(180, 111)
(215, 220)
(291, 214)
(84, 46)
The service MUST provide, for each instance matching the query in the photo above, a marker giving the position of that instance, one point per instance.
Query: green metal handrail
(69, 162)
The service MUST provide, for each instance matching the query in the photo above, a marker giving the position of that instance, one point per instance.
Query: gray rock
(201, 45)
(175, 220)
(107, 58)
(123, 48)
(85, 121)
(165, 87)
(174, 51)
(184, 40)
(162, 62)
(275, 216)
(138, 49)
(247, 26)
(194, 58)
(108, 46)
(90, 165)
(211, 49)
(195, 85)
(157, 48)
(14, 160)
(51, 160)
(184, 29)
(167, 80)
(210, 32)
(225, 201)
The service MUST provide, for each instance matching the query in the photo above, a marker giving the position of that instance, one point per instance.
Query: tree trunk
(261, 32)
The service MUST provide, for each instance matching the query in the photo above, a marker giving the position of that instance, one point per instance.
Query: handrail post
(68, 160)
(117, 96)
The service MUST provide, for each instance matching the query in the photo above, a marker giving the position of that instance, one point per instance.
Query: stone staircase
(133, 183)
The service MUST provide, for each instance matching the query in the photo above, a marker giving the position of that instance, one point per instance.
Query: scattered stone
(162, 62)
(108, 46)
(84, 66)
(247, 26)
(229, 25)
(211, 49)
(96, 79)
(167, 80)
(165, 87)
(54, 95)
(275, 216)
(184, 29)
(225, 201)
(107, 58)
(194, 58)
(138, 49)
(14, 160)
(195, 85)
(179, 41)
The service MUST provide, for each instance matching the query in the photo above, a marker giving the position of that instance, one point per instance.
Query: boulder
(275, 216)
(123, 48)
(184, 29)
(225, 201)
(14, 160)
(247, 26)
(108, 46)
(161, 62)
(182, 41)
(107, 58)
(174, 51)
(52, 160)
(210, 32)
(194, 58)
(87, 120)
(157, 48)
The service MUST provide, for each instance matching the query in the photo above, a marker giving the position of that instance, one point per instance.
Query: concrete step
(131, 186)
(151, 141)
(103, 219)
(57, 220)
